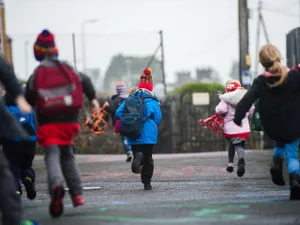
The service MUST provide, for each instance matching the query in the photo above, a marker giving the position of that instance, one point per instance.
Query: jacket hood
(233, 97)
(146, 93)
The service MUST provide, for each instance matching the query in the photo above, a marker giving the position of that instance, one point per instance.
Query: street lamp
(83, 40)
(128, 62)
(26, 57)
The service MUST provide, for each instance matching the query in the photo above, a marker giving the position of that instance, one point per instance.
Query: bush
(198, 87)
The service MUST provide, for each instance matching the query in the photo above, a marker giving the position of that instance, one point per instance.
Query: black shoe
(147, 187)
(30, 188)
(129, 158)
(229, 169)
(137, 163)
(294, 186)
(241, 167)
(276, 171)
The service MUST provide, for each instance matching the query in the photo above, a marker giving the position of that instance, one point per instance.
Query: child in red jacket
(57, 111)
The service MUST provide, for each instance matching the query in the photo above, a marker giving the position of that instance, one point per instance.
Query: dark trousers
(20, 161)
(10, 202)
(235, 145)
(148, 164)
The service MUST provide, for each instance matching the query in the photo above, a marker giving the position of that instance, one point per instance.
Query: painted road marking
(201, 213)
(87, 188)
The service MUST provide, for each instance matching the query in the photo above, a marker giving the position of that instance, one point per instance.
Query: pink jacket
(227, 108)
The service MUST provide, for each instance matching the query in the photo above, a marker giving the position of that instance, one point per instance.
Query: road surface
(187, 189)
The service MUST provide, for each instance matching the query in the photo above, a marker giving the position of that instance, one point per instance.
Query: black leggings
(235, 145)
(147, 161)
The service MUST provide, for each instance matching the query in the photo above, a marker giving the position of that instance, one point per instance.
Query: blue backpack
(132, 119)
(26, 120)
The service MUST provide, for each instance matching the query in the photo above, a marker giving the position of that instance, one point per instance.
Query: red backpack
(59, 90)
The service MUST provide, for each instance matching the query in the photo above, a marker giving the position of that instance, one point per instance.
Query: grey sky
(197, 32)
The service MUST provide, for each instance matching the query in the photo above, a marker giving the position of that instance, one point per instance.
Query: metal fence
(180, 130)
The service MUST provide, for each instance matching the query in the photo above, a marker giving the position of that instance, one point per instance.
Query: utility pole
(257, 37)
(244, 44)
(26, 58)
(4, 46)
(163, 61)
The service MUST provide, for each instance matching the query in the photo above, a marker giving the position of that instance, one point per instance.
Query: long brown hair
(270, 59)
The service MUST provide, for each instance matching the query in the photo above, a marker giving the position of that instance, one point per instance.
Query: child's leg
(137, 159)
(71, 174)
(276, 168)
(10, 202)
(239, 148)
(231, 154)
(148, 166)
(127, 148)
(28, 175)
(291, 150)
(292, 157)
(14, 160)
(55, 180)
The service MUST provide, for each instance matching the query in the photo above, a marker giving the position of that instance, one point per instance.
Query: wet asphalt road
(187, 189)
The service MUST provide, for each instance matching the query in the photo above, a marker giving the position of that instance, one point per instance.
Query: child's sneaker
(294, 186)
(129, 158)
(229, 169)
(78, 200)
(56, 206)
(241, 167)
(30, 188)
(147, 187)
(276, 171)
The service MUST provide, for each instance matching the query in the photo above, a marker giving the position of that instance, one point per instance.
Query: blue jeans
(126, 146)
(291, 152)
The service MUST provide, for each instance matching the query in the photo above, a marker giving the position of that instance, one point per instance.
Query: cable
(153, 56)
(280, 12)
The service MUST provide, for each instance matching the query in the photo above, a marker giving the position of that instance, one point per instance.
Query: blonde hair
(270, 59)
(131, 90)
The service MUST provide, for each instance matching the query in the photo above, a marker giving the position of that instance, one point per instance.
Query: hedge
(198, 87)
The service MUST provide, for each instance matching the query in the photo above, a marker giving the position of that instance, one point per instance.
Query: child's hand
(116, 134)
(23, 104)
(95, 107)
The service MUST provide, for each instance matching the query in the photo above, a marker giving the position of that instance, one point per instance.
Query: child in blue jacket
(145, 142)
(20, 153)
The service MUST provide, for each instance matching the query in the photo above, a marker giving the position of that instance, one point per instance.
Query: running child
(278, 91)
(20, 153)
(236, 135)
(56, 90)
(139, 117)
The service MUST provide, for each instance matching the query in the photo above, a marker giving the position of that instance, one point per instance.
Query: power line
(280, 12)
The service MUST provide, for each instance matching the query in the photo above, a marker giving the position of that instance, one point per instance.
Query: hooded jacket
(227, 108)
(149, 133)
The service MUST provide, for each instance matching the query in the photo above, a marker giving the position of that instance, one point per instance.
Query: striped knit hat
(146, 81)
(44, 45)
(121, 89)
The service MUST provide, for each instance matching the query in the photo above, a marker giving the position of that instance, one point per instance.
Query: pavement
(187, 189)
